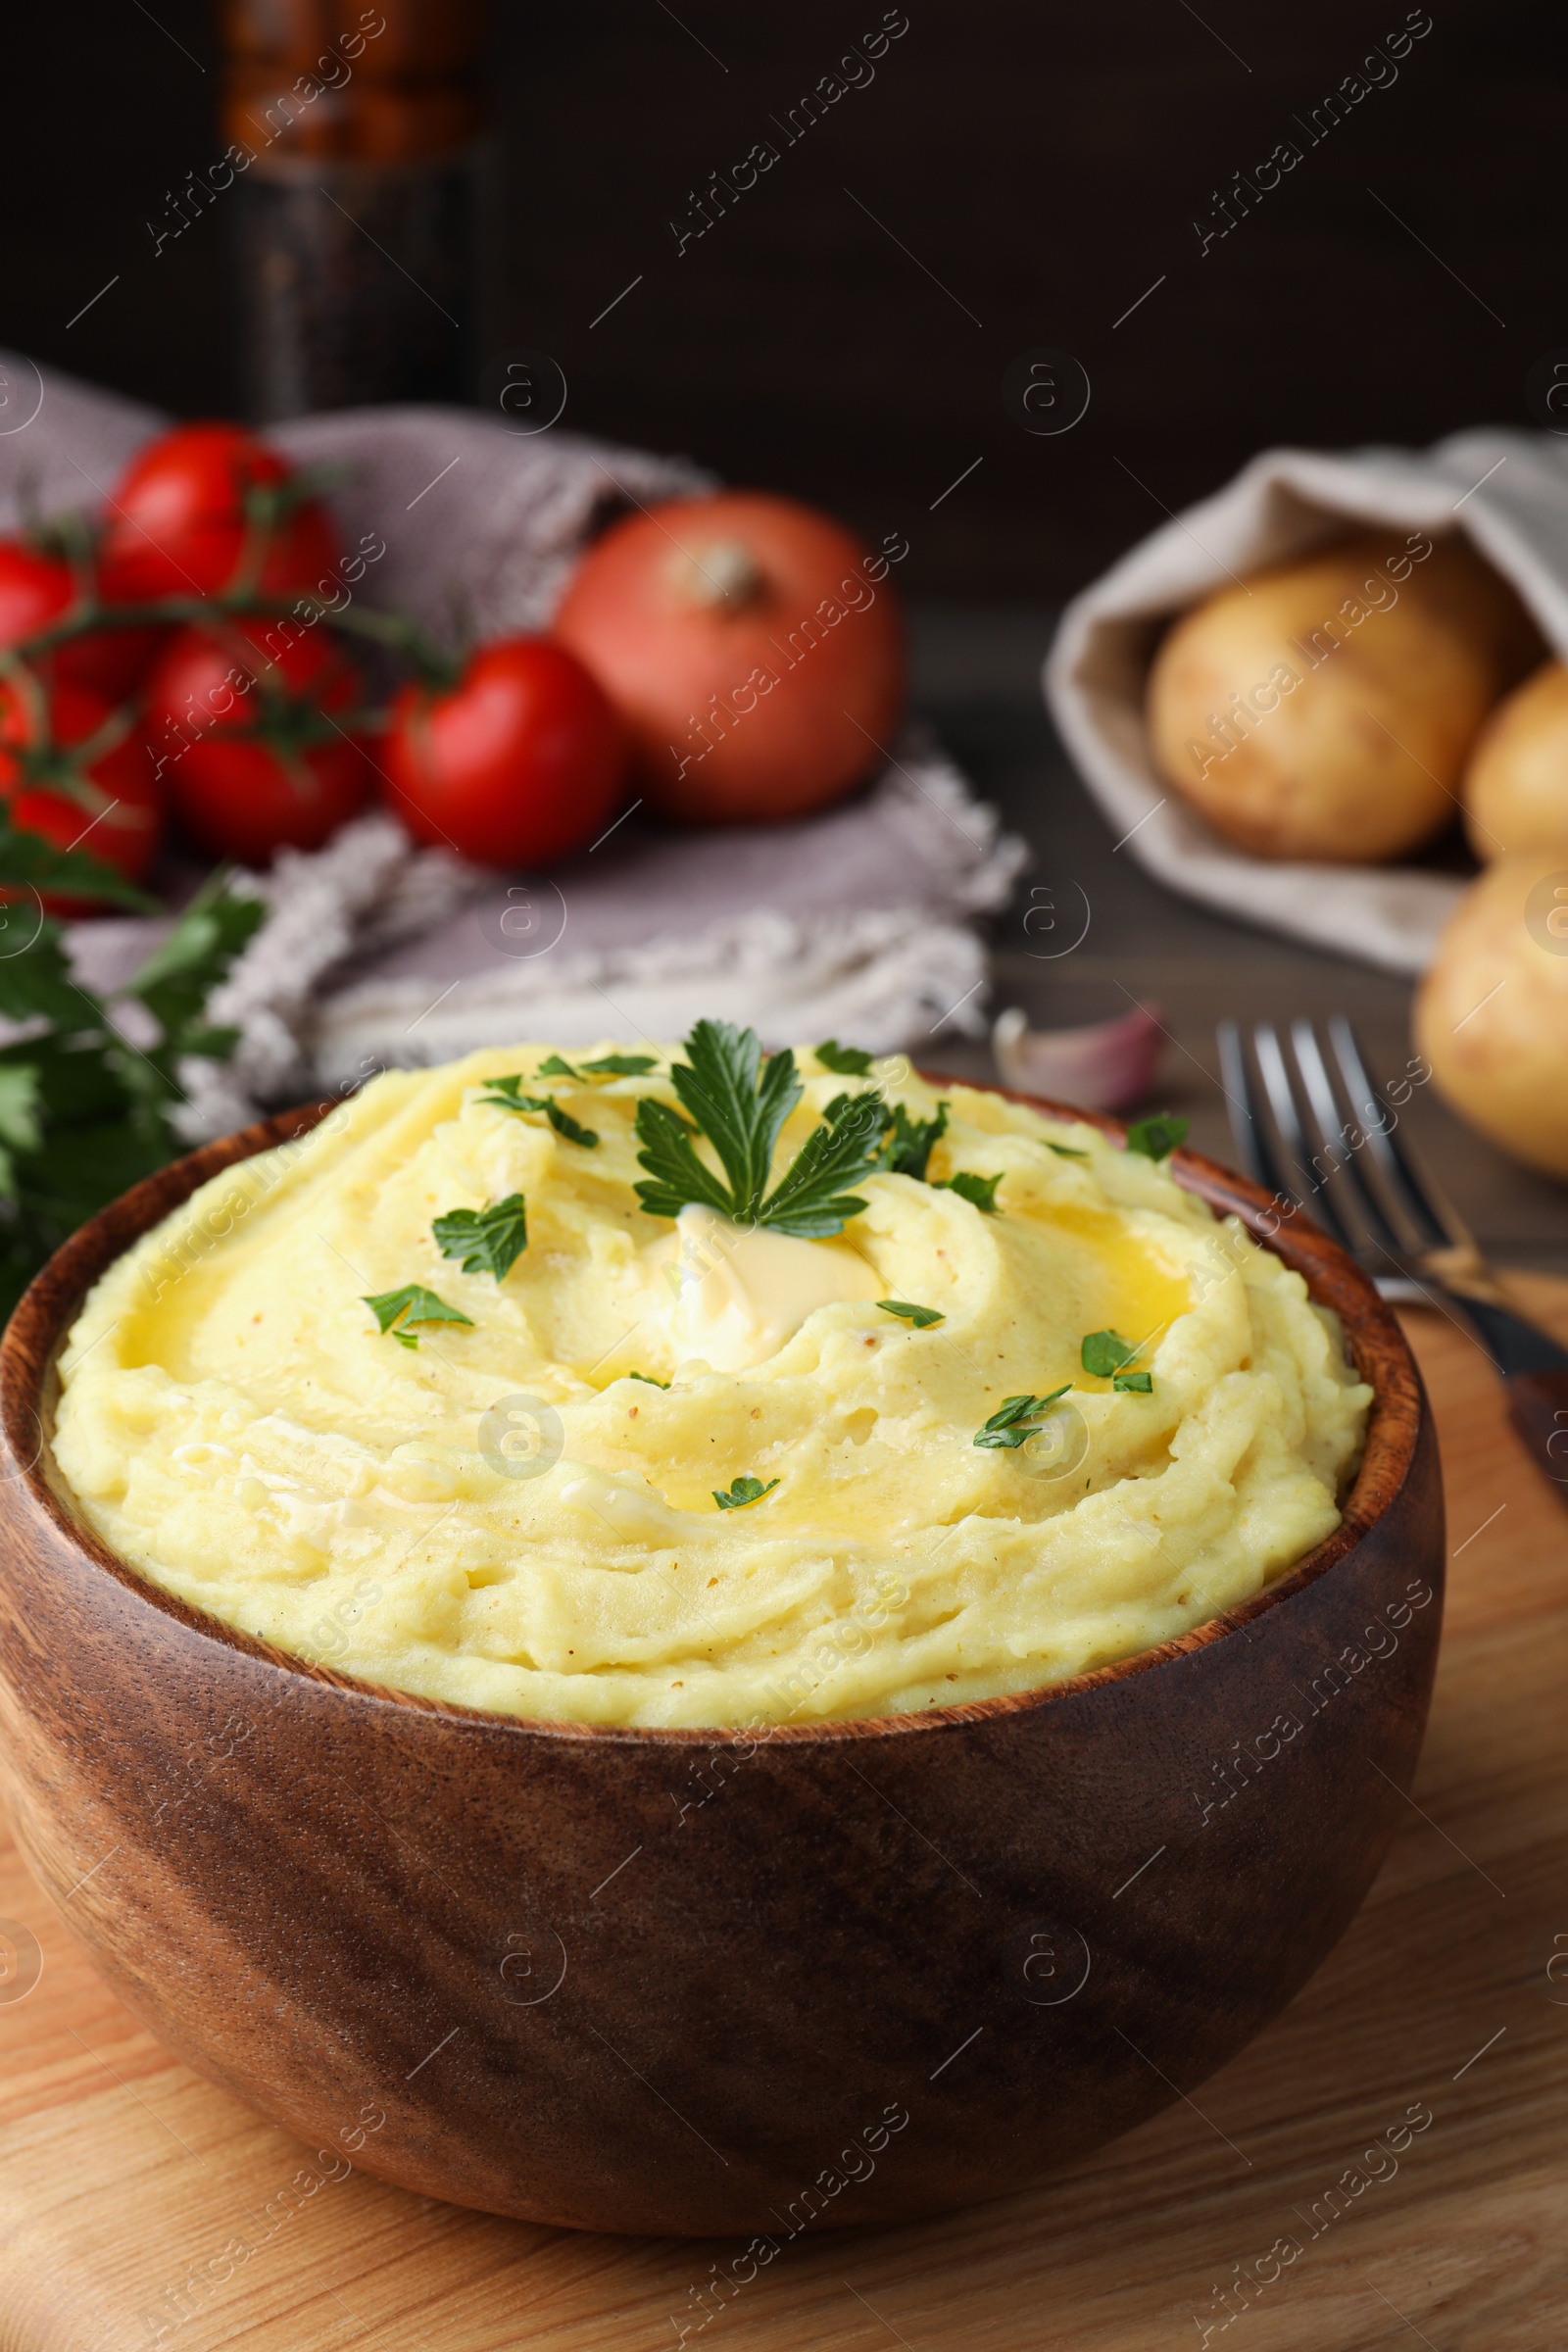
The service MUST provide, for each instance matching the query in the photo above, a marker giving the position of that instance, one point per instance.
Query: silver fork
(1314, 1129)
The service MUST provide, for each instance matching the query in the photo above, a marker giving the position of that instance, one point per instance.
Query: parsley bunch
(83, 1112)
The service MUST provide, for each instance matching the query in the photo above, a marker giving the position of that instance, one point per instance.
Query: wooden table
(123, 2178)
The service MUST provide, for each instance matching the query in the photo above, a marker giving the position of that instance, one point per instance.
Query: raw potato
(1491, 1015)
(1324, 709)
(1516, 785)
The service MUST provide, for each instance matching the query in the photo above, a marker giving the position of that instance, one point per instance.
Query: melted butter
(1134, 1288)
(736, 1294)
(633, 1515)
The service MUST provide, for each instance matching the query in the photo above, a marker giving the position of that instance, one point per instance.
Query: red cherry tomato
(37, 589)
(176, 523)
(519, 762)
(76, 769)
(240, 725)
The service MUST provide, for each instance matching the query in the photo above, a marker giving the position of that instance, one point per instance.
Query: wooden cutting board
(140, 2207)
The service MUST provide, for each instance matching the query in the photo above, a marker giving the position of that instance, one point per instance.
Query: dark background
(1044, 163)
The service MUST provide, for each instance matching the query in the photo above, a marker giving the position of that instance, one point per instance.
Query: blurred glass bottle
(363, 211)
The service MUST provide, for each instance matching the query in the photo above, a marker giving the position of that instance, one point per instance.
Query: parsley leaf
(980, 1191)
(395, 1311)
(27, 858)
(35, 979)
(562, 1120)
(845, 1061)
(648, 1379)
(922, 1317)
(177, 978)
(1064, 1151)
(1142, 1383)
(485, 1241)
(739, 1103)
(810, 1201)
(677, 1176)
(19, 1107)
(1158, 1137)
(609, 1065)
(908, 1147)
(1104, 1352)
(1016, 1419)
(502, 1093)
(19, 1120)
(741, 1491)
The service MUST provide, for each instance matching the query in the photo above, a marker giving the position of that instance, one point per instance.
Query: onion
(754, 648)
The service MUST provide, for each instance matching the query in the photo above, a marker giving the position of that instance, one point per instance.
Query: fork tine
(1406, 1228)
(1247, 1130)
(1404, 1175)
(1307, 1189)
(1259, 1149)
(1343, 1179)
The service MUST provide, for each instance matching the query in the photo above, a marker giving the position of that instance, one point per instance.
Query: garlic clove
(1111, 1065)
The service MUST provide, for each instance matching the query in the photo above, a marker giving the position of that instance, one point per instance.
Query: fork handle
(1538, 1406)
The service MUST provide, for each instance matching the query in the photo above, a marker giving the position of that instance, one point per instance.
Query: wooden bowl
(702, 1981)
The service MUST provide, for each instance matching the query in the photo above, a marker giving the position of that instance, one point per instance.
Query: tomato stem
(432, 662)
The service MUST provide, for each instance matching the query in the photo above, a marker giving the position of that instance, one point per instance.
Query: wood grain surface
(140, 2206)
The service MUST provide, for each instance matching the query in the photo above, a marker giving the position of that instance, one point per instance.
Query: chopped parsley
(1105, 1353)
(504, 1094)
(922, 1317)
(1065, 1151)
(907, 1148)
(648, 1379)
(485, 1241)
(396, 1310)
(607, 1066)
(845, 1061)
(1156, 1138)
(1016, 1419)
(979, 1190)
(742, 1492)
(738, 1102)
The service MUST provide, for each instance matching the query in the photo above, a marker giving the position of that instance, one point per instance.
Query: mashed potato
(497, 1512)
